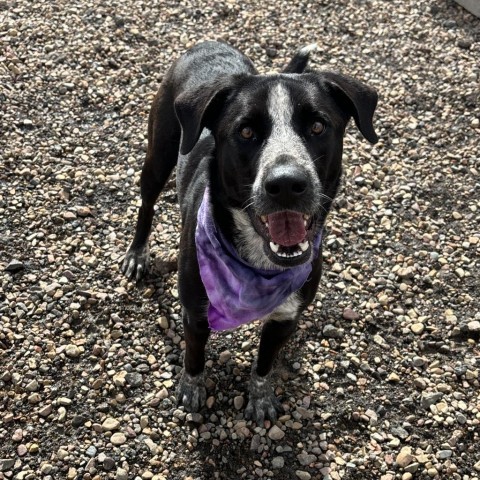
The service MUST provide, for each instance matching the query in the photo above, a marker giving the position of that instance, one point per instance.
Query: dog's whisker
(322, 195)
(247, 206)
(249, 202)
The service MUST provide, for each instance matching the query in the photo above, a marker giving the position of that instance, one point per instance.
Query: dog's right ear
(194, 107)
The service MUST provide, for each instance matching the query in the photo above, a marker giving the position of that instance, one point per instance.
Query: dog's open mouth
(288, 235)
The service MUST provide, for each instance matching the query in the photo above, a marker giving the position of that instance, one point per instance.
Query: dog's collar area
(239, 293)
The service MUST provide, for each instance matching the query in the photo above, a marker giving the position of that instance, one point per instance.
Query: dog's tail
(299, 62)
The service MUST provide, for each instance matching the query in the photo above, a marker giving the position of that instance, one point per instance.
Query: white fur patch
(283, 140)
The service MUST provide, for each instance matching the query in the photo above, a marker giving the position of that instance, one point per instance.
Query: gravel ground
(382, 379)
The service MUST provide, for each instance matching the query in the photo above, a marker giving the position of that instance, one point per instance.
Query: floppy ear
(356, 99)
(193, 107)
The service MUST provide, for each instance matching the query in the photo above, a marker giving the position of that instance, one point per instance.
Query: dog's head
(279, 141)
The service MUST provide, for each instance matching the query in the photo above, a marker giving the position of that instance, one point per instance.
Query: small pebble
(110, 424)
(118, 438)
(278, 462)
(238, 402)
(302, 475)
(276, 433)
(14, 266)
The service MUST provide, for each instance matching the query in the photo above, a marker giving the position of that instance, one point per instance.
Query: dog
(258, 165)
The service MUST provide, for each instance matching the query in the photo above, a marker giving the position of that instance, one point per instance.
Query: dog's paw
(191, 392)
(135, 264)
(263, 404)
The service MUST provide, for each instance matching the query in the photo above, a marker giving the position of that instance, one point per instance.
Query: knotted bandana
(239, 293)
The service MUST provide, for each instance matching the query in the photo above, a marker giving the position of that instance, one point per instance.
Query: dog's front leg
(162, 154)
(263, 403)
(191, 392)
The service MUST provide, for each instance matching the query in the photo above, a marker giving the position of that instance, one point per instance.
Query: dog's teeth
(264, 218)
(306, 217)
(274, 247)
(266, 224)
(304, 223)
(296, 253)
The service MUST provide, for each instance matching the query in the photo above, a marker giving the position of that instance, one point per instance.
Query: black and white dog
(259, 163)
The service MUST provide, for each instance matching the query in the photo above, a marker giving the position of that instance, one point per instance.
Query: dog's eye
(317, 128)
(246, 133)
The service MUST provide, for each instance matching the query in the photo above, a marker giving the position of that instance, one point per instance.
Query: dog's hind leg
(162, 153)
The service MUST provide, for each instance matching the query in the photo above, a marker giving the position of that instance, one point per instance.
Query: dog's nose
(286, 183)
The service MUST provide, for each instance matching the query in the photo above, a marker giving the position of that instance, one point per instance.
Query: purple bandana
(239, 293)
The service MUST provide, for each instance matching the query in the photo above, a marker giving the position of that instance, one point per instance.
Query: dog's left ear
(194, 107)
(356, 99)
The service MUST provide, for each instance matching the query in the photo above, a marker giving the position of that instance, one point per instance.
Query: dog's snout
(286, 183)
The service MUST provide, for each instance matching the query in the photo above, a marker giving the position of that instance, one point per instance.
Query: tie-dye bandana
(239, 293)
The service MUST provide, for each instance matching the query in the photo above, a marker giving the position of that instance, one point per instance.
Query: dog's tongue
(286, 228)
